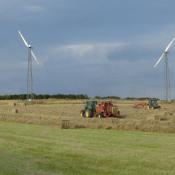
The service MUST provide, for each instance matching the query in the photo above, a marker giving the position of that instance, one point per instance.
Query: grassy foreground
(41, 150)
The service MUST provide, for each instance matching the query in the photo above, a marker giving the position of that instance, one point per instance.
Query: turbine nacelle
(28, 46)
(165, 53)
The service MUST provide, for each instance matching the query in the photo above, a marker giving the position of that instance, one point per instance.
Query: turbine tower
(167, 73)
(31, 56)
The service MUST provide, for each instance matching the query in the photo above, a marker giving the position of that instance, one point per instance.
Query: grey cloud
(96, 47)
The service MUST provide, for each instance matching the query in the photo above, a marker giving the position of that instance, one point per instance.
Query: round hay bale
(160, 117)
(13, 104)
(65, 124)
(24, 104)
(15, 111)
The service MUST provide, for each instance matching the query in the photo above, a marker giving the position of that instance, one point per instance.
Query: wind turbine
(167, 73)
(31, 56)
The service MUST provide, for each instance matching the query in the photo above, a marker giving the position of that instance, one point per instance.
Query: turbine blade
(34, 57)
(158, 61)
(23, 39)
(169, 45)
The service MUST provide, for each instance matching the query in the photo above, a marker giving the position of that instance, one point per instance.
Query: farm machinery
(102, 110)
(150, 104)
(89, 109)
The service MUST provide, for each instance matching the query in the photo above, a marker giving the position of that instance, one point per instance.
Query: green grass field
(41, 150)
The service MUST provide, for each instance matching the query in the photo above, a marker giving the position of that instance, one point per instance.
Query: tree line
(126, 98)
(43, 96)
(65, 96)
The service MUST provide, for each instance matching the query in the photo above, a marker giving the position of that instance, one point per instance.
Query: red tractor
(107, 109)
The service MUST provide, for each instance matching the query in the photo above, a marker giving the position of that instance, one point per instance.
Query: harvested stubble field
(33, 143)
(52, 112)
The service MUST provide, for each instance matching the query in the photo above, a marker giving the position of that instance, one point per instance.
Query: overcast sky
(94, 47)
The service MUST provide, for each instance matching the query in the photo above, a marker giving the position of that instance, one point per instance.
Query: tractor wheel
(82, 113)
(118, 114)
(100, 115)
(149, 107)
(88, 114)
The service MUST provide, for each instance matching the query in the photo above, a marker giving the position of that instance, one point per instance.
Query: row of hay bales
(20, 106)
(16, 106)
(132, 125)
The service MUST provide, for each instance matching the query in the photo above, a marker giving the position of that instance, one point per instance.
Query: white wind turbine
(167, 73)
(31, 56)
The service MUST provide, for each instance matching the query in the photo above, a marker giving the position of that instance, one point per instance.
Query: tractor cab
(91, 105)
(152, 103)
(89, 109)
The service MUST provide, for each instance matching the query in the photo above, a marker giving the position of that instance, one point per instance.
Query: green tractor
(89, 109)
(152, 103)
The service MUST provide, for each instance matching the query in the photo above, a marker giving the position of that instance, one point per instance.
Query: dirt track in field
(53, 112)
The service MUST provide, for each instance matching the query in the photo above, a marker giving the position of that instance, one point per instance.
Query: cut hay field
(52, 112)
(48, 150)
(33, 143)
